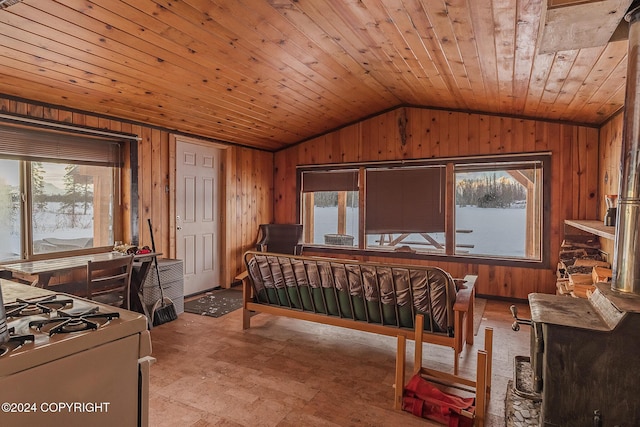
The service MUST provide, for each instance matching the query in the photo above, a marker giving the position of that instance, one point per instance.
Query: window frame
(394, 186)
(344, 184)
(449, 163)
(127, 146)
(26, 215)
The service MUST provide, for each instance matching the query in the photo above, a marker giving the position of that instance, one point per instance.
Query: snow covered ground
(495, 231)
(499, 232)
(47, 225)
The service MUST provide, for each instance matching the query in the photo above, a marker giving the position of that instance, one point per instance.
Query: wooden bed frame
(462, 310)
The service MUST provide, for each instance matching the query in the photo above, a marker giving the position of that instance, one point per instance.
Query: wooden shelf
(594, 227)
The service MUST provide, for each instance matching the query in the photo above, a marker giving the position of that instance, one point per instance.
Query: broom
(163, 310)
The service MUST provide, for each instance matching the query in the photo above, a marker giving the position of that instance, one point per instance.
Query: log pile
(581, 265)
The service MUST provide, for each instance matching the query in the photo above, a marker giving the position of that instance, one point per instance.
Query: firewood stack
(581, 265)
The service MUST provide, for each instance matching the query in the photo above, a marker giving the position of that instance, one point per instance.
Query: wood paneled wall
(248, 185)
(610, 163)
(249, 202)
(412, 133)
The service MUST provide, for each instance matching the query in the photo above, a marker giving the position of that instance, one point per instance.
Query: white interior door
(198, 215)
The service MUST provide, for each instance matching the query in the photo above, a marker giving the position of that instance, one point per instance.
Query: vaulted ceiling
(269, 73)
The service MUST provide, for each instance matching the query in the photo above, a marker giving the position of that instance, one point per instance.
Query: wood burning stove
(585, 358)
(585, 353)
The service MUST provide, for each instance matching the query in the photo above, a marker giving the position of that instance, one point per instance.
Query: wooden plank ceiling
(269, 73)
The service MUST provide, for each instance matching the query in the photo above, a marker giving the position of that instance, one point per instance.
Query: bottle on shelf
(612, 209)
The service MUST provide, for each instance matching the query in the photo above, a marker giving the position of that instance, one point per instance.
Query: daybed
(367, 296)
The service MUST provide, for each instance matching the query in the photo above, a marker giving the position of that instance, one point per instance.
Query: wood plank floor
(285, 372)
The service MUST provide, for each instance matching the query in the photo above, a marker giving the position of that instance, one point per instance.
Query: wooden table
(11, 291)
(44, 270)
(387, 240)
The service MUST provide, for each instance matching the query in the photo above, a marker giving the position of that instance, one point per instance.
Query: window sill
(322, 250)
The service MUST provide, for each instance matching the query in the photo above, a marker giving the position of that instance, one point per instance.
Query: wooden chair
(280, 238)
(481, 387)
(109, 282)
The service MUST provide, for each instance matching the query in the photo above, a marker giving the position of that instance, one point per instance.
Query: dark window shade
(502, 166)
(42, 145)
(405, 200)
(330, 181)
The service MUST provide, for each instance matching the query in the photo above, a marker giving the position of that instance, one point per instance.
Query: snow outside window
(57, 191)
(330, 207)
(484, 207)
(67, 207)
(498, 210)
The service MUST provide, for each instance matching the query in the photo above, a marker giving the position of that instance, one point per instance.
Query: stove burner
(75, 325)
(21, 339)
(43, 305)
(68, 322)
(15, 341)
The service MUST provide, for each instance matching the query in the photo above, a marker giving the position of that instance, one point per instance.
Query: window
(404, 203)
(10, 212)
(481, 207)
(58, 192)
(331, 207)
(498, 209)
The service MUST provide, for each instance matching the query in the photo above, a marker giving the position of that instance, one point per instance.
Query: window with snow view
(58, 192)
(498, 209)
(405, 208)
(481, 207)
(330, 207)
(10, 210)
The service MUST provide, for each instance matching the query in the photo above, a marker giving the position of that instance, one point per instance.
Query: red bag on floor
(425, 400)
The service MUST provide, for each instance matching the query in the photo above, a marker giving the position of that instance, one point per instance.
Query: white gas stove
(71, 361)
